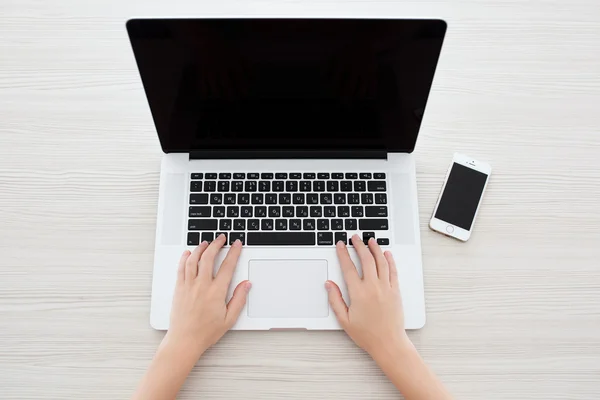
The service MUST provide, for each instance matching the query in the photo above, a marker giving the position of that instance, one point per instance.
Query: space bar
(280, 238)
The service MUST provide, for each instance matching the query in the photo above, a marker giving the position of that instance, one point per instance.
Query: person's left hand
(199, 315)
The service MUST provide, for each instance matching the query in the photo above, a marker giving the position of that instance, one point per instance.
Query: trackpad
(287, 289)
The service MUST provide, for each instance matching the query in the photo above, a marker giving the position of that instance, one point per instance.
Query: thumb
(237, 302)
(337, 303)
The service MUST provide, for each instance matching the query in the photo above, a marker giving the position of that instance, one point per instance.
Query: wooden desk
(512, 314)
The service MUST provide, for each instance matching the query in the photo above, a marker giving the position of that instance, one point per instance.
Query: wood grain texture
(512, 314)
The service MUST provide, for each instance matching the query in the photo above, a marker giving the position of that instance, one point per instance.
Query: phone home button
(449, 229)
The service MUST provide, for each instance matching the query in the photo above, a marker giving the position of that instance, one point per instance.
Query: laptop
(290, 135)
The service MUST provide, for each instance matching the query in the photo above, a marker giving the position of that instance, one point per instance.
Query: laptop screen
(287, 84)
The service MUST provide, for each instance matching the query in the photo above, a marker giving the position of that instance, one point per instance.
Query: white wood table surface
(512, 314)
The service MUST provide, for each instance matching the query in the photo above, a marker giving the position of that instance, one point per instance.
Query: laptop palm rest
(287, 289)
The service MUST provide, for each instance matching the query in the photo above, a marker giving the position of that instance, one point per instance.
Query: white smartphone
(456, 209)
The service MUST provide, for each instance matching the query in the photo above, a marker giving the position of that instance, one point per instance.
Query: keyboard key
(312, 198)
(360, 186)
(210, 175)
(216, 198)
(257, 198)
(383, 242)
(339, 198)
(351, 175)
(195, 186)
(365, 175)
(197, 175)
(372, 224)
(285, 198)
(323, 175)
(380, 198)
(225, 224)
(229, 198)
(329, 211)
(298, 198)
(302, 211)
(241, 236)
(237, 186)
(239, 175)
(343, 211)
(253, 175)
(323, 224)
(341, 236)
(223, 186)
(202, 224)
(333, 186)
(366, 198)
(288, 211)
(337, 224)
(350, 224)
(326, 198)
(305, 186)
(281, 225)
(224, 175)
(295, 224)
(199, 212)
(274, 211)
(357, 211)
(325, 238)
(316, 211)
(346, 186)
(264, 186)
(210, 186)
(376, 211)
(253, 224)
(260, 211)
(376, 186)
(250, 186)
(217, 234)
(367, 236)
(246, 212)
(266, 225)
(266, 175)
(239, 224)
(233, 211)
(291, 186)
(295, 175)
(278, 186)
(309, 175)
(319, 186)
(281, 238)
(218, 211)
(379, 175)
(270, 198)
(243, 198)
(207, 236)
(281, 175)
(193, 238)
(353, 198)
(337, 175)
(309, 224)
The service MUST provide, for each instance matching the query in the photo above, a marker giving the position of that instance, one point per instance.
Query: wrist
(393, 352)
(180, 348)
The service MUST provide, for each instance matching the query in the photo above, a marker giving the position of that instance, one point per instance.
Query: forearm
(167, 372)
(408, 372)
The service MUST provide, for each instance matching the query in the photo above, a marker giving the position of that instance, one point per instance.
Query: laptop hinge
(289, 154)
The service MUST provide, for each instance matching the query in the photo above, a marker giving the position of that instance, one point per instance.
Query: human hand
(375, 319)
(199, 314)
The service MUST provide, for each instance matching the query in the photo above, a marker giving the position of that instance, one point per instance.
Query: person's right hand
(374, 320)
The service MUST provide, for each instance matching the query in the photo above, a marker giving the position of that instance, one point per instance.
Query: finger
(383, 270)
(229, 263)
(348, 268)
(207, 261)
(237, 303)
(366, 258)
(393, 270)
(191, 264)
(181, 267)
(337, 303)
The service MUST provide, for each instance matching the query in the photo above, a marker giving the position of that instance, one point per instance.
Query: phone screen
(461, 195)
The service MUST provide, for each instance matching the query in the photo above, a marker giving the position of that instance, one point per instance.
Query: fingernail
(221, 236)
(371, 239)
(187, 252)
(237, 242)
(248, 286)
(327, 286)
(340, 244)
(204, 242)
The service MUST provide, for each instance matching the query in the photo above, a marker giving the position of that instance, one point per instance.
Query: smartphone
(460, 198)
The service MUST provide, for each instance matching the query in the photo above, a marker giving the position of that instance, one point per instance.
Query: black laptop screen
(286, 84)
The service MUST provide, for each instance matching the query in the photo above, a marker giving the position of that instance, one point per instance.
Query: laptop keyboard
(288, 208)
